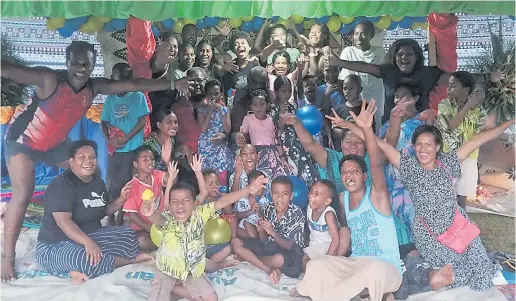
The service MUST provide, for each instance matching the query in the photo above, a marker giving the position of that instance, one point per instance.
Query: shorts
(467, 184)
(293, 258)
(214, 249)
(119, 172)
(163, 284)
(51, 157)
(252, 219)
(317, 250)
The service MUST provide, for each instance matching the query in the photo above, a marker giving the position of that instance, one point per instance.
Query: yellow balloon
(178, 26)
(297, 19)
(283, 21)
(105, 19)
(55, 23)
(217, 231)
(307, 24)
(333, 24)
(156, 235)
(383, 23)
(189, 21)
(396, 18)
(247, 19)
(95, 24)
(424, 25)
(415, 25)
(221, 23)
(235, 22)
(346, 20)
(84, 28)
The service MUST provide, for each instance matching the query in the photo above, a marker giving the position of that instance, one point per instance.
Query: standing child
(126, 112)
(323, 223)
(147, 178)
(460, 117)
(278, 248)
(218, 253)
(215, 122)
(281, 67)
(262, 133)
(247, 209)
(181, 257)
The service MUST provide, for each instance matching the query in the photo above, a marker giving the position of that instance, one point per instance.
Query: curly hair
(259, 92)
(390, 57)
(239, 35)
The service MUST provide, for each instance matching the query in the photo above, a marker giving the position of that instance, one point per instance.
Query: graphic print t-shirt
(67, 193)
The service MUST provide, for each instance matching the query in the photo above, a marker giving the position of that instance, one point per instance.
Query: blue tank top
(372, 233)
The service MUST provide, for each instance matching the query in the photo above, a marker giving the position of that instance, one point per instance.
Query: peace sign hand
(337, 121)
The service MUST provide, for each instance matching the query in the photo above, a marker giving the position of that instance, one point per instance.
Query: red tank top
(44, 123)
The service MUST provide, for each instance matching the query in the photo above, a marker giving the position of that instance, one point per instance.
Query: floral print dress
(217, 156)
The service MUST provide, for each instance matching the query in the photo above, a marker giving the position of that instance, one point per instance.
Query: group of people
(380, 209)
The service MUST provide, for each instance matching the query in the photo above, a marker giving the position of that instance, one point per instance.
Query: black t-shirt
(343, 111)
(426, 76)
(238, 80)
(67, 193)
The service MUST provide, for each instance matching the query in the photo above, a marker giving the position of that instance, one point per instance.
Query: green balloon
(217, 231)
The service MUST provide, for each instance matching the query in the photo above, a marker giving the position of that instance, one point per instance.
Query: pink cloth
(262, 132)
(134, 201)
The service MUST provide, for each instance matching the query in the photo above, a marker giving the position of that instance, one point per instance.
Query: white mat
(243, 283)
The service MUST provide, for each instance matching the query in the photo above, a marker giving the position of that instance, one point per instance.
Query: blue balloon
(118, 24)
(155, 31)
(168, 23)
(359, 19)
(511, 17)
(257, 23)
(311, 118)
(108, 27)
(274, 19)
(346, 28)
(420, 19)
(393, 26)
(406, 22)
(300, 191)
(74, 24)
(65, 32)
(299, 27)
(200, 24)
(211, 21)
(246, 26)
(322, 20)
(223, 189)
(373, 19)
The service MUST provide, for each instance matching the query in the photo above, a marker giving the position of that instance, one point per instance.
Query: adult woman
(72, 239)
(362, 51)
(429, 177)
(318, 44)
(404, 60)
(205, 58)
(161, 140)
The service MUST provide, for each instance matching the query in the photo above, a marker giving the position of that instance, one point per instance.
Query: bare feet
(275, 275)
(78, 277)
(8, 272)
(293, 293)
(228, 263)
(142, 257)
(388, 297)
(442, 277)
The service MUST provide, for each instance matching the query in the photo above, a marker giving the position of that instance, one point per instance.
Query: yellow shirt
(183, 250)
(473, 123)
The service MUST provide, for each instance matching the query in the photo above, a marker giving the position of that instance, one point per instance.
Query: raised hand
(239, 166)
(337, 121)
(476, 98)
(124, 193)
(240, 137)
(270, 69)
(230, 67)
(226, 29)
(166, 150)
(182, 85)
(196, 163)
(401, 109)
(427, 115)
(259, 183)
(172, 172)
(365, 119)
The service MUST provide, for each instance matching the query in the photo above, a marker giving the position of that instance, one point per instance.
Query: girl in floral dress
(299, 160)
(161, 140)
(215, 122)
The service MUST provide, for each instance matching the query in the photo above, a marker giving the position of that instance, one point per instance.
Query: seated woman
(72, 239)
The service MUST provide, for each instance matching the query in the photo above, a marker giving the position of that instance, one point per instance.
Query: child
(180, 259)
(459, 118)
(247, 209)
(262, 133)
(186, 57)
(323, 223)
(215, 123)
(147, 177)
(278, 247)
(299, 160)
(220, 252)
(329, 95)
(126, 112)
(306, 97)
(281, 67)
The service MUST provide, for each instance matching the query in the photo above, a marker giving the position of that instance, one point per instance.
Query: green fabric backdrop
(161, 10)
